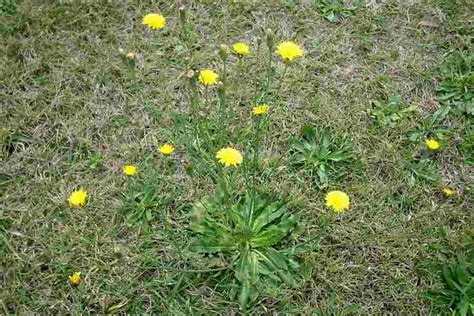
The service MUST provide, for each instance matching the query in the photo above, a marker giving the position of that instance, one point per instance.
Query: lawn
(86, 88)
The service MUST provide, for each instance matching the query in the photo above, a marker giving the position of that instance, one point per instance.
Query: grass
(74, 111)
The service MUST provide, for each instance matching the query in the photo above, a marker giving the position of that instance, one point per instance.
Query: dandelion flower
(154, 21)
(166, 149)
(448, 192)
(75, 279)
(129, 170)
(261, 109)
(77, 198)
(130, 56)
(432, 144)
(289, 50)
(337, 200)
(229, 157)
(208, 77)
(241, 49)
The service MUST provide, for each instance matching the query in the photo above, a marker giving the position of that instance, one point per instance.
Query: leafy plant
(144, 200)
(458, 281)
(419, 169)
(431, 126)
(388, 113)
(457, 86)
(12, 141)
(322, 151)
(246, 233)
(467, 149)
(333, 10)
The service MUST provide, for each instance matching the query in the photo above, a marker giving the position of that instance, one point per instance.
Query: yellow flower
(129, 170)
(432, 144)
(75, 278)
(338, 200)
(289, 50)
(77, 198)
(261, 109)
(208, 77)
(166, 149)
(154, 21)
(448, 192)
(229, 157)
(130, 56)
(241, 49)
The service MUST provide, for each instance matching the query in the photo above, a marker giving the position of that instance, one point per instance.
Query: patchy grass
(75, 110)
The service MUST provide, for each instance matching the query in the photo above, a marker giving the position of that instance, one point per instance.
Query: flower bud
(270, 38)
(190, 74)
(224, 52)
(182, 14)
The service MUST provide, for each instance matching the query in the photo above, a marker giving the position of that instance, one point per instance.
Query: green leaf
(274, 233)
(269, 213)
(439, 115)
(247, 273)
(308, 133)
(212, 246)
(462, 307)
(247, 267)
(245, 292)
(268, 260)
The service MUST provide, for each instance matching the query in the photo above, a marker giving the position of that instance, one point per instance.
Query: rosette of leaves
(457, 86)
(145, 198)
(419, 170)
(388, 113)
(458, 285)
(322, 152)
(333, 10)
(247, 234)
(431, 126)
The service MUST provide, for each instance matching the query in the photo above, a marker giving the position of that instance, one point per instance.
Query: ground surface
(73, 112)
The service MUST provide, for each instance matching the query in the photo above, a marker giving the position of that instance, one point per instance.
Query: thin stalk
(285, 69)
(256, 83)
(222, 114)
(269, 72)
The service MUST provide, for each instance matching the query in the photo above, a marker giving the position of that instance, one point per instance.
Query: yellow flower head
(337, 200)
(241, 49)
(75, 279)
(130, 56)
(166, 149)
(432, 144)
(229, 157)
(129, 170)
(448, 192)
(77, 198)
(154, 21)
(261, 109)
(289, 50)
(208, 77)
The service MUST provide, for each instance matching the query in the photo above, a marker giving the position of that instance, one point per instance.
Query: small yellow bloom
(77, 198)
(432, 144)
(261, 109)
(154, 21)
(241, 49)
(289, 50)
(448, 192)
(166, 149)
(338, 200)
(208, 77)
(130, 56)
(75, 279)
(229, 157)
(129, 170)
